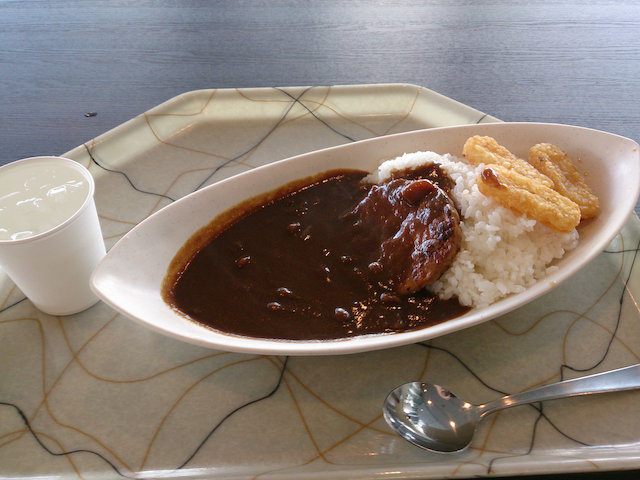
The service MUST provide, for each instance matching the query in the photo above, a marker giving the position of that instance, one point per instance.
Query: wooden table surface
(575, 62)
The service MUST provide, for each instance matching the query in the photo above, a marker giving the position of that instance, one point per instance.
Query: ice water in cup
(37, 198)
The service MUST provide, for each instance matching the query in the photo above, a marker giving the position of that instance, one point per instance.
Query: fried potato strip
(529, 197)
(486, 150)
(551, 161)
(548, 188)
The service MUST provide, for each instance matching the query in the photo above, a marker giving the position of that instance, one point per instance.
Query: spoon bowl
(433, 418)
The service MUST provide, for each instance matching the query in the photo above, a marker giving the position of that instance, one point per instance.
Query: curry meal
(420, 241)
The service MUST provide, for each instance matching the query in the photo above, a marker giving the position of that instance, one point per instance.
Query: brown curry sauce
(295, 265)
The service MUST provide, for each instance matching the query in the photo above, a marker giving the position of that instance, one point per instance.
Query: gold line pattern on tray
(99, 394)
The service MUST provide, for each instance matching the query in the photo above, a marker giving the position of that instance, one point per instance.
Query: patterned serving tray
(95, 395)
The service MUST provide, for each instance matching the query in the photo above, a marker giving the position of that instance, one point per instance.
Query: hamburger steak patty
(418, 227)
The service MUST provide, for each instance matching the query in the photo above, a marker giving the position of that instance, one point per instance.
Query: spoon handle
(627, 378)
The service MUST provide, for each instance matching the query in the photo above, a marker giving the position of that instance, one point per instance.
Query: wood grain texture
(557, 61)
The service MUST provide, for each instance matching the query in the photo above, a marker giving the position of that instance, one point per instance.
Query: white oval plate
(130, 276)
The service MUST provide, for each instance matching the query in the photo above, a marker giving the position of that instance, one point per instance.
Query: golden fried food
(529, 197)
(488, 151)
(551, 161)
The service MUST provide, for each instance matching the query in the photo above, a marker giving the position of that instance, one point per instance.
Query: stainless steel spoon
(433, 418)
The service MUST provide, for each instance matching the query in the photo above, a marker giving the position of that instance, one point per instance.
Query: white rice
(502, 252)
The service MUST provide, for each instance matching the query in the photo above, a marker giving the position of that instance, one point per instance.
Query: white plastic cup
(53, 263)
